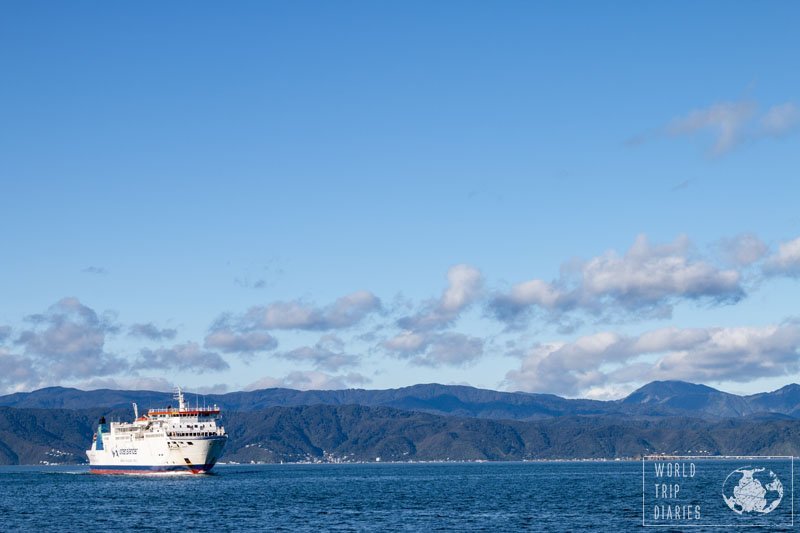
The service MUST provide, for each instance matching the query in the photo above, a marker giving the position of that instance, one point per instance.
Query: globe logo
(749, 490)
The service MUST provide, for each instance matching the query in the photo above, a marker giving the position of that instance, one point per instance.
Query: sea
(490, 496)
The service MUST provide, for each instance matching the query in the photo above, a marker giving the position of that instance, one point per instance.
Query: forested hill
(361, 433)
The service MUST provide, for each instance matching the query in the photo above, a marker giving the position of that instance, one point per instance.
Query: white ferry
(174, 440)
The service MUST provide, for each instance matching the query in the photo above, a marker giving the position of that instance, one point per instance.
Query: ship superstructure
(178, 440)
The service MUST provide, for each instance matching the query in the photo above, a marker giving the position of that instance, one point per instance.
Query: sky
(574, 198)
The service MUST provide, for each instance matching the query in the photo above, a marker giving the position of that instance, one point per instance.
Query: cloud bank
(698, 355)
(422, 340)
(71, 343)
(345, 312)
(68, 341)
(186, 356)
(465, 284)
(435, 349)
(646, 281)
(229, 341)
(326, 354)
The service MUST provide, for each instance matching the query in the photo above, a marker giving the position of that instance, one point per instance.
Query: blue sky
(555, 197)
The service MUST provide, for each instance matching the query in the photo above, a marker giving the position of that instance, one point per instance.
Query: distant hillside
(32, 436)
(433, 398)
(68, 398)
(682, 397)
(362, 433)
(785, 400)
(359, 433)
(656, 399)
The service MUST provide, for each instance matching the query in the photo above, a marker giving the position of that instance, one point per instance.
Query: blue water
(553, 496)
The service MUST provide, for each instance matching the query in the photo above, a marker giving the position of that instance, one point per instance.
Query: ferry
(179, 440)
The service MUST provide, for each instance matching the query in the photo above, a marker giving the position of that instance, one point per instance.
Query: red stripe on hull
(186, 472)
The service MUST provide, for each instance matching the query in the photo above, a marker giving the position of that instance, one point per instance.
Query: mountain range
(427, 422)
(659, 398)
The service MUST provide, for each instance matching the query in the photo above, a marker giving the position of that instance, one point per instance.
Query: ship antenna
(179, 397)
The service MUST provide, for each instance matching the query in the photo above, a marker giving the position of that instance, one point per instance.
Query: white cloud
(453, 349)
(647, 278)
(537, 292)
(435, 349)
(725, 121)
(149, 383)
(310, 380)
(186, 356)
(158, 384)
(229, 341)
(248, 334)
(345, 312)
(18, 373)
(786, 261)
(407, 342)
(608, 392)
(465, 285)
(609, 361)
(151, 332)
(285, 315)
(744, 249)
(780, 120)
(730, 124)
(326, 354)
(267, 382)
(649, 274)
(736, 354)
(217, 388)
(68, 341)
(421, 340)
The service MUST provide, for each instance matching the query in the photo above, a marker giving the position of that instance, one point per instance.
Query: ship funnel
(135, 411)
